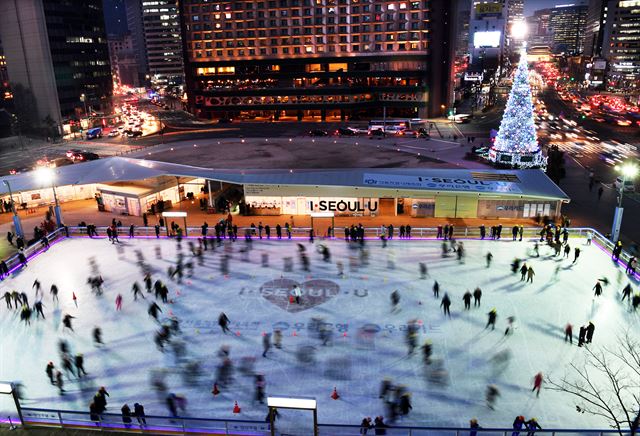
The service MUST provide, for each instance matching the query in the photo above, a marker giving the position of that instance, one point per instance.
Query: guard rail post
(60, 419)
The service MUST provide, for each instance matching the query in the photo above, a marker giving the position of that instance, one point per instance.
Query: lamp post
(83, 98)
(628, 172)
(16, 219)
(47, 176)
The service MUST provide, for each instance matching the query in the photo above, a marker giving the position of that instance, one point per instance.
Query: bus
(96, 132)
(394, 125)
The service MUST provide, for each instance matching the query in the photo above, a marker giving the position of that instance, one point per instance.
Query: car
(376, 132)
(113, 133)
(318, 132)
(629, 186)
(72, 152)
(346, 131)
(84, 156)
(225, 121)
(134, 133)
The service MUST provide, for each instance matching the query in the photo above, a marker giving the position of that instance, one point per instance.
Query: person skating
(510, 325)
(49, 371)
(626, 292)
(97, 336)
(148, 282)
(518, 423)
(491, 396)
(537, 383)
(260, 385)
(67, 365)
(37, 286)
(532, 426)
(514, 232)
(223, 322)
(126, 413)
(297, 293)
(427, 349)
(590, 329)
(489, 257)
(635, 301)
(38, 307)
(445, 304)
(60, 382)
(54, 292)
(567, 250)
(79, 362)
(266, 344)
(138, 410)
(530, 274)
(423, 270)
(66, 321)
(576, 254)
(277, 339)
(436, 289)
(24, 298)
(153, 310)
(581, 335)
(380, 426)
(467, 300)
(404, 405)
(136, 291)
(25, 314)
(7, 299)
(477, 295)
(483, 231)
(365, 425)
(568, 333)
(119, 302)
(523, 272)
(598, 289)
(100, 399)
(395, 299)
(491, 320)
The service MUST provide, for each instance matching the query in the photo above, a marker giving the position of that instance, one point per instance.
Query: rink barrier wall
(303, 233)
(165, 425)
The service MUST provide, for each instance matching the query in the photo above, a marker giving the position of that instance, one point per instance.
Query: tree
(607, 383)
(517, 142)
(25, 108)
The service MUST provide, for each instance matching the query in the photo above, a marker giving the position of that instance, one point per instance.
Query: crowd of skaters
(399, 405)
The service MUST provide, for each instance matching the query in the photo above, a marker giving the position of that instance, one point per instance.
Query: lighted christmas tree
(517, 143)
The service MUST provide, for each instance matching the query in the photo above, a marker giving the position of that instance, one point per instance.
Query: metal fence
(152, 424)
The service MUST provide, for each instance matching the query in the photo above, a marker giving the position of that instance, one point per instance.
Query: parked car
(629, 186)
(318, 132)
(346, 131)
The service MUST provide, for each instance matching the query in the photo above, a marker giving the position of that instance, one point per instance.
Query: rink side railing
(303, 233)
(164, 425)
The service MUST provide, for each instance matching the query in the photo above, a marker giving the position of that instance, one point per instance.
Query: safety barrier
(153, 424)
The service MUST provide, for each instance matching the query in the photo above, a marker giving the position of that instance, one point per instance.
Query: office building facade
(622, 47)
(567, 24)
(327, 59)
(58, 51)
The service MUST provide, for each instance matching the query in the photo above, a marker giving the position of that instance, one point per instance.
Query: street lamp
(16, 219)
(628, 172)
(83, 98)
(46, 176)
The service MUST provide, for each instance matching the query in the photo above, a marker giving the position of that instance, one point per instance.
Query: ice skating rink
(367, 338)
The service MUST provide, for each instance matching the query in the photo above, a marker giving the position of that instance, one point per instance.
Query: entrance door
(387, 207)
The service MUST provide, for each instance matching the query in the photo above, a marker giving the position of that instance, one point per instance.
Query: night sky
(115, 16)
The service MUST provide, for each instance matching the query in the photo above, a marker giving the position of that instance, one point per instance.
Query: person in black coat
(126, 415)
(138, 410)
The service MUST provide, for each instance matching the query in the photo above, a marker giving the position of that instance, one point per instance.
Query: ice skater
(491, 321)
(537, 383)
(576, 254)
(66, 321)
(477, 295)
(567, 250)
(49, 371)
(60, 382)
(530, 274)
(223, 322)
(79, 363)
(581, 335)
(436, 289)
(97, 336)
(54, 293)
(266, 344)
(119, 302)
(568, 333)
(25, 314)
(423, 270)
(277, 339)
(467, 300)
(491, 396)
(626, 292)
(445, 304)
(510, 325)
(598, 289)
(136, 291)
(523, 272)
(153, 310)
(395, 299)
(590, 329)
(489, 257)
(38, 307)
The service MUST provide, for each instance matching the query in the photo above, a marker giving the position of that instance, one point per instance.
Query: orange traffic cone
(335, 395)
(215, 391)
(236, 408)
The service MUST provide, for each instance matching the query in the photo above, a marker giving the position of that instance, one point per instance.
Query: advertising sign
(490, 39)
(488, 10)
(439, 183)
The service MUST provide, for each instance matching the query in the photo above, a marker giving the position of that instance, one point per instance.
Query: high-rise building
(155, 30)
(487, 35)
(594, 28)
(539, 33)
(621, 46)
(330, 59)
(514, 13)
(123, 61)
(567, 24)
(57, 50)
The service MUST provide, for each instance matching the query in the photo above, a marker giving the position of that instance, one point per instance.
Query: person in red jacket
(537, 384)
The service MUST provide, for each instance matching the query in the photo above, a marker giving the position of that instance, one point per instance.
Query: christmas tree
(517, 143)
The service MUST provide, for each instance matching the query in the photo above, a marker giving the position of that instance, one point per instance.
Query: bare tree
(607, 383)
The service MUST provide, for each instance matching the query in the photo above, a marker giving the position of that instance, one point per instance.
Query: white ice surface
(124, 365)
